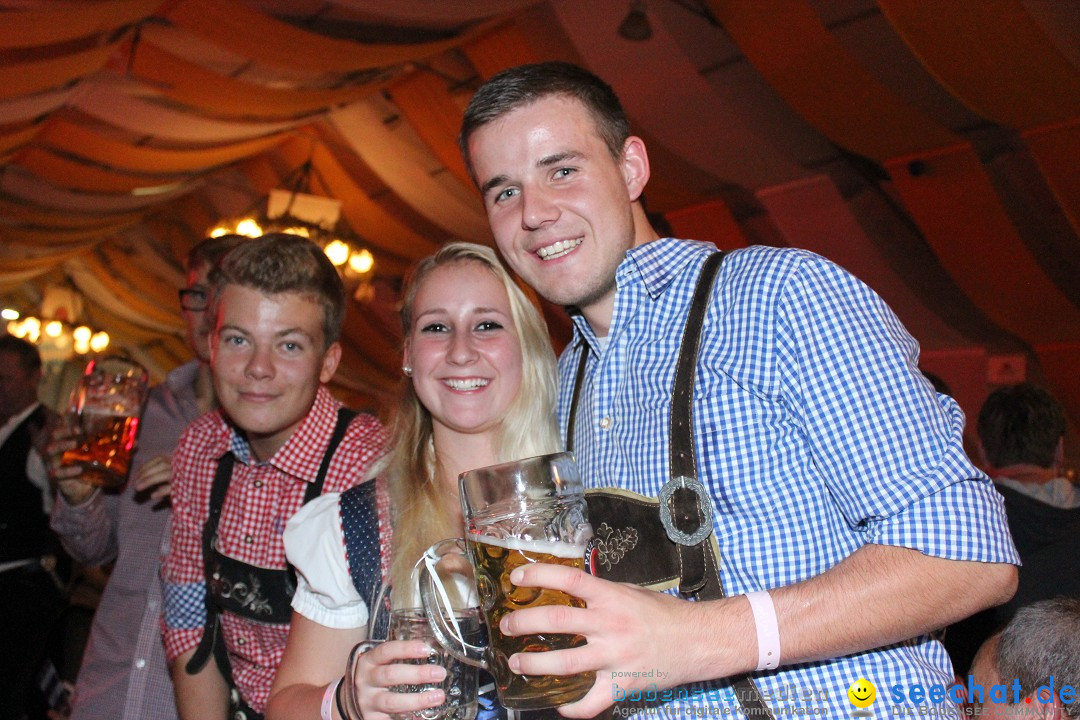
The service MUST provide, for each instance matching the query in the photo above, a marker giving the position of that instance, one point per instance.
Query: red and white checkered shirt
(260, 500)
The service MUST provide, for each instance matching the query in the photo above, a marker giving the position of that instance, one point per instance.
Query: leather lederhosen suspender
(258, 593)
(669, 540)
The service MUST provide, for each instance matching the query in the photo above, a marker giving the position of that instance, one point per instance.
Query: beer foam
(107, 411)
(558, 549)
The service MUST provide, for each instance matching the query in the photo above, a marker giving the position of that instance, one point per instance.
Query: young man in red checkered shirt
(239, 473)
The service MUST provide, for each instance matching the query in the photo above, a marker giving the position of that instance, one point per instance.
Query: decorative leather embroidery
(612, 545)
(247, 595)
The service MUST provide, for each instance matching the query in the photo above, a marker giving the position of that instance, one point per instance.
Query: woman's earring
(407, 369)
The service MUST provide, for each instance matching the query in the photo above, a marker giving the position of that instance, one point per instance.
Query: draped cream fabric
(931, 147)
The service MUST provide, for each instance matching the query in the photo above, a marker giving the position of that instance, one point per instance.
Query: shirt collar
(659, 262)
(15, 420)
(302, 453)
(655, 265)
(1059, 491)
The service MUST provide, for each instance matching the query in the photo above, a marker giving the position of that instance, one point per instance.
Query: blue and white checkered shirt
(814, 432)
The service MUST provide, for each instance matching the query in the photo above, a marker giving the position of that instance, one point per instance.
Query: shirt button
(249, 539)
(605, 423)
(140, 663)
(241, 641)
(258, 483)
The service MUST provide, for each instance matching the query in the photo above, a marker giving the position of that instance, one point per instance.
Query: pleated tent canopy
(932, 148)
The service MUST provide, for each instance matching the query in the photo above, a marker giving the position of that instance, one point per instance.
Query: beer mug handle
(440, 610)
(351, 703)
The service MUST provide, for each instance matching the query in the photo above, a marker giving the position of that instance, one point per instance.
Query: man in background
(1022, 434)
(32, 593)
(123, 674)
(1036, 658)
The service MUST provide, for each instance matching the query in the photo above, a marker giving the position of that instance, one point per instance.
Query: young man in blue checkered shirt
(843, 501)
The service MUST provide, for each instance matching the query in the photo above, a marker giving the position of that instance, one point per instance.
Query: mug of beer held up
(104, 410)
(527, 511)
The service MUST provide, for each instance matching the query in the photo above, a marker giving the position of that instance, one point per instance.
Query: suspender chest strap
(666, 541)
(258, 593)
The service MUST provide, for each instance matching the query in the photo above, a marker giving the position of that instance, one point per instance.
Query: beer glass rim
(97, 362)
(552, 475)
(534, 460)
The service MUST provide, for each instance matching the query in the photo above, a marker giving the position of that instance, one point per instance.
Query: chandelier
(295, 210)
(55, 333)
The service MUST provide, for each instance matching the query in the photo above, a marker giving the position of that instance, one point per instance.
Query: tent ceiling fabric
(931, 148)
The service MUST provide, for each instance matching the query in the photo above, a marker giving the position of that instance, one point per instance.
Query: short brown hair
(209, 251)
(284, 263)
(525, 84)
(1021, 423)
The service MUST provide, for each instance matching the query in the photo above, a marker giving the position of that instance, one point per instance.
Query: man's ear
(635, 166)
(1047, 704)
(330, 361)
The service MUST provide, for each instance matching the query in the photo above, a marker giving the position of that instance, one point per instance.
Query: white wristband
(326, 711)
(768, 631)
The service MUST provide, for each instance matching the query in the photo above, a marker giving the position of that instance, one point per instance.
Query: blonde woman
(479, 389)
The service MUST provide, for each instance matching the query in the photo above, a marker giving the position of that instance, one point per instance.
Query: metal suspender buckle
(683, 502)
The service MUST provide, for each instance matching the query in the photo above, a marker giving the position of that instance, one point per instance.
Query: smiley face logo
(862, 693)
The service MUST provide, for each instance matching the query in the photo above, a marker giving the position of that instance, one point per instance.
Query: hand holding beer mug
(528, 511)
(459, 685)
(104, 412)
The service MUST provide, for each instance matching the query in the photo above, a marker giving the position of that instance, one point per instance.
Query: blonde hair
(411, 464)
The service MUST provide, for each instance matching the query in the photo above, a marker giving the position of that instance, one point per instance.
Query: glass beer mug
(459, 686)
(104, 410)
(528, 511)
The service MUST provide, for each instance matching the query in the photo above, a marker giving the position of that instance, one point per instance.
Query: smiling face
(560, 206)
(268, 361)
(464, 350)
(862, 693)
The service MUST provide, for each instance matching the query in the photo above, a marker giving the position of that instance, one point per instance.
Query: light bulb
(32, 327)
(249, 228)
(362, 261)
(53, 328)
(338, 252)
(298, 230)
(99, 341)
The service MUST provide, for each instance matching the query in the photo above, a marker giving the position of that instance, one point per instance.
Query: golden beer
(106, 448)
(494, 559)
